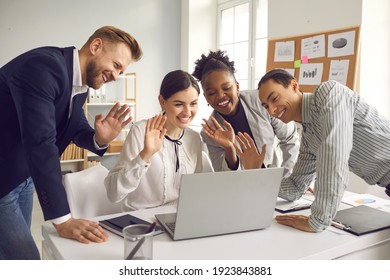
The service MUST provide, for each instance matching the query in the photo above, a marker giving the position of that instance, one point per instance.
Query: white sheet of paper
(368, 200)
(313, 47)
(341, 44)
(284, 51)
(311, 73)
(339, 71)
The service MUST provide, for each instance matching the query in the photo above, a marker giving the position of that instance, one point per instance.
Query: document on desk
(368, 200)
(284, 206)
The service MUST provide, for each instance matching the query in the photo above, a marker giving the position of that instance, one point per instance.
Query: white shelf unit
(123, 90)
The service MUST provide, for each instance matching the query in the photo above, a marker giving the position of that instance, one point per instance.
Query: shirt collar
(306, 113)
(77, 86)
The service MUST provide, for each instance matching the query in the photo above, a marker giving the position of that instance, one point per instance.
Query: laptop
(223, 202)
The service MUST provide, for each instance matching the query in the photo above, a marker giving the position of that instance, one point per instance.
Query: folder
(361, 220)
(117, 224)
(97, 96)
(91, 95)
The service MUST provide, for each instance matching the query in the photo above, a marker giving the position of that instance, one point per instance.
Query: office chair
(87, 195)
(207, 166)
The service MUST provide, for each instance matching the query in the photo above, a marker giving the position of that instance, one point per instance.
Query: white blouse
(138, 184)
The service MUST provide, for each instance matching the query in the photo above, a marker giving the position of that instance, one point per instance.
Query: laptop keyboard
(171, 226)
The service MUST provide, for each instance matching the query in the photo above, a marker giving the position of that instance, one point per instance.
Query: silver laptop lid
(226, 202)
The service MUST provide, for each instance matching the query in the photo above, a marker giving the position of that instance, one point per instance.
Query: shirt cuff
(97, 147)
(61, 220)
(141, 162)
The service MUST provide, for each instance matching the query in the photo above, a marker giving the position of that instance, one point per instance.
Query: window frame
(253, 9)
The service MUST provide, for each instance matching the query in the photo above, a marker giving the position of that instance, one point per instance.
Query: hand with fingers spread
(154, 136)
(108, 128)
(300, 222)
(222, 136)
(82, 230)
(249, 155)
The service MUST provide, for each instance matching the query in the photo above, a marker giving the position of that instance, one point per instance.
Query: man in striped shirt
(341, 133)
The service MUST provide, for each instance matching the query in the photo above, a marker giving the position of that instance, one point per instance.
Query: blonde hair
(115, 35)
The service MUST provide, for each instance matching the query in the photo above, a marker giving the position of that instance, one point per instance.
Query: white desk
(274, 243)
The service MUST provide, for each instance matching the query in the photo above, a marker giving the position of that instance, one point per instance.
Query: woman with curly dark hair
(240, 112)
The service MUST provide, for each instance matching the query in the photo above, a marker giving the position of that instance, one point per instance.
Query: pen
(139, 244)
(339, 225)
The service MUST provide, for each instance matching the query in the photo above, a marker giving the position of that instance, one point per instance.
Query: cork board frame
(354, 59)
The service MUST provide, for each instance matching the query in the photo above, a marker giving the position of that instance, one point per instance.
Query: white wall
(375, 55)
(288, 18)
(154, 23)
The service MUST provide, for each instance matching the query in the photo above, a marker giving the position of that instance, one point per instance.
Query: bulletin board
(336, 52)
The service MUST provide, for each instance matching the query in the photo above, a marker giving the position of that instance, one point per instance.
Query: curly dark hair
(217, 60)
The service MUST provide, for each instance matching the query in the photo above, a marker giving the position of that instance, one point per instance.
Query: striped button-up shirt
(341, 133)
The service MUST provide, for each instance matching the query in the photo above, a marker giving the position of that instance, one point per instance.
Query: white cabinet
(123, 90)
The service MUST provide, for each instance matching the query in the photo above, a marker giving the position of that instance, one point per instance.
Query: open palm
(108, 128)
(222, 136)
(154, 134)
(249, 155)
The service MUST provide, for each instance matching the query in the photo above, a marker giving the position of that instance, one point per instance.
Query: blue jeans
(16, 241)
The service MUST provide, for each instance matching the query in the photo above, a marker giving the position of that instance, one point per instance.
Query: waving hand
(154, 136)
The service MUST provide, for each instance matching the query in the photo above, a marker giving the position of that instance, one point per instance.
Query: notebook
(284, 206)
(117, 224)
(361, 220)
(223, 202)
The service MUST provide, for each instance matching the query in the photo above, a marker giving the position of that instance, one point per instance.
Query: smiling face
(221, 92)
(280, 102)
(180, 109)
(106, 63)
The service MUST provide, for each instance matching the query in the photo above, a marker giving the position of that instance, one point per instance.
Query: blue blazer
(35, 92)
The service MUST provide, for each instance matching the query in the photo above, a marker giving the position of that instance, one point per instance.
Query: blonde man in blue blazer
(41, 96)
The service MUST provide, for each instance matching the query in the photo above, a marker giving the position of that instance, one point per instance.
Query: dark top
(35, 91)
(239, 122)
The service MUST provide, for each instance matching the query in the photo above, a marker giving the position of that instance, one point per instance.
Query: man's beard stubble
(93, 76)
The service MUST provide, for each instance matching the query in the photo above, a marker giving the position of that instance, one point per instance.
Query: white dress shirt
(138, 184)
(77, 88)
